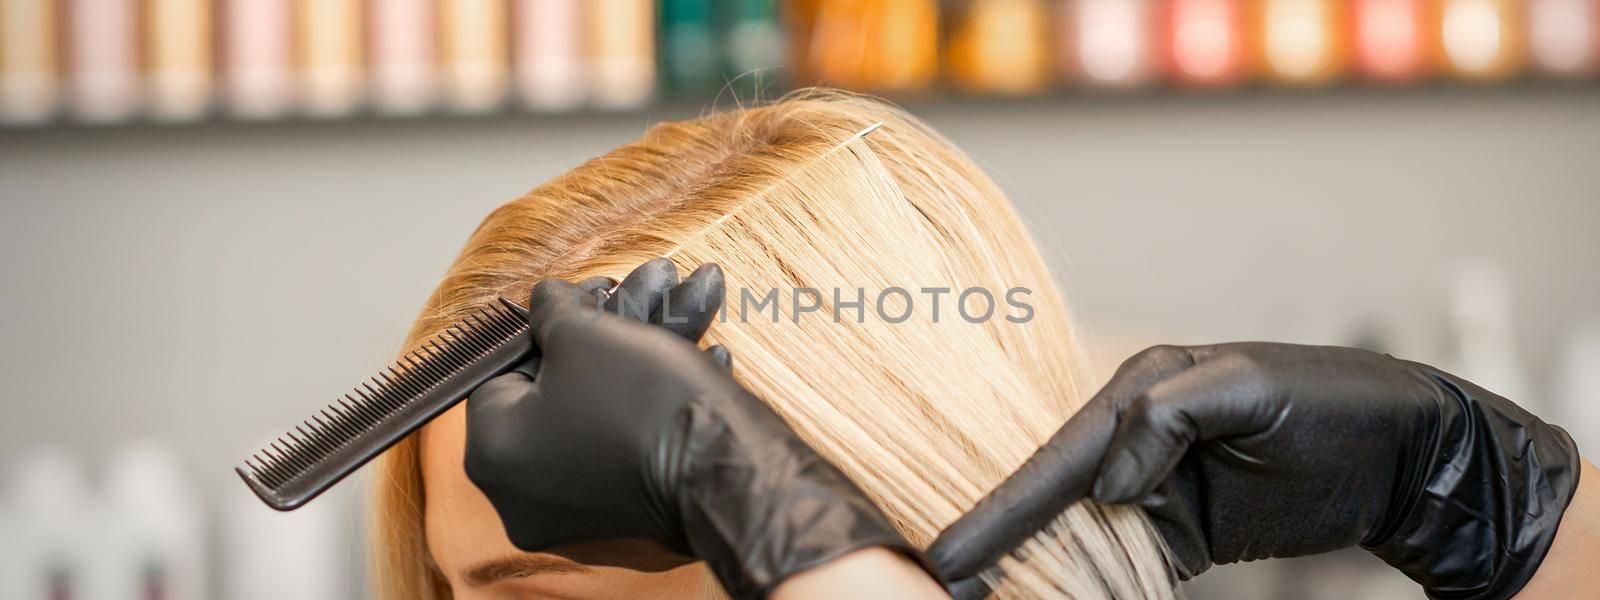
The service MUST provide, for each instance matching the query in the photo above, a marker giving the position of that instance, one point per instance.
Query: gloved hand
(627, 431)
(1256, 450)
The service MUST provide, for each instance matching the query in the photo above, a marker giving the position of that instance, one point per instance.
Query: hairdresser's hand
(1256, 450)
(629, 432)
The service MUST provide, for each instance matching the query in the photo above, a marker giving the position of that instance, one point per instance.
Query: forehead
(462, 527)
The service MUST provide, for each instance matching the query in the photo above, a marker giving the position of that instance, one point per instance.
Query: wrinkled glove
(626, 431)
(1257, 450)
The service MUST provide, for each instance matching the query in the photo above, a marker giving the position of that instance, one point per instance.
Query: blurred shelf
(678, 107)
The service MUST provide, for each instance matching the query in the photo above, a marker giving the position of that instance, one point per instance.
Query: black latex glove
(630, 432)
(1255, 450)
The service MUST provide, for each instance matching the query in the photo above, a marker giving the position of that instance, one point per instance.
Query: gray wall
(209, 285)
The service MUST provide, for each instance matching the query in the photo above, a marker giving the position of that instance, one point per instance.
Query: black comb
(329, 446)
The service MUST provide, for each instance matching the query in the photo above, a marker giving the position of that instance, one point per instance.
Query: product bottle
(621, 39)
(258, 76)
(548, 54)
(403, 77)
(475, 54)
(104, 59)
(1394, 41)
(1202, 42)
(154, 525)
(330, 56)
(1482, 40)
(53, 527)
(1564, 36)
(1107, 43)
(271, 555)
(1579, 391)
(1485, 345)
(177, 39)
(690, 59)
(753, 49)
(1302, 42)
(28, 69)
(1000, 47)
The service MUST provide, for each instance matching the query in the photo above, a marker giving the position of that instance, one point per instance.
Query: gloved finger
(643, 290)
(549, 302)
(720, 354)
(488, 408)
(689, 308)
(598, 286)
(1224, 395)
(495, 395)
(1057, 475)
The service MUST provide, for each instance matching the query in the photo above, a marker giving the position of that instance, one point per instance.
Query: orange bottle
(178, 58)
(1301, 42)
(474, 54)
(1001, 47)
(329, 52)
(878, 45)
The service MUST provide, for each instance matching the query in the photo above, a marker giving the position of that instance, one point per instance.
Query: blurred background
(215, 214)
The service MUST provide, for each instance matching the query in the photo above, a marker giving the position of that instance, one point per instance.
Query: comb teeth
(322, 450)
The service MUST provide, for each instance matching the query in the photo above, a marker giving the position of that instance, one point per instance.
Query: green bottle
(689, 49)
(753, 48)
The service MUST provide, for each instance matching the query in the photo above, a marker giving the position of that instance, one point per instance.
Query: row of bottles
(143, 533)
(1027, 46)
(1481, 346)
(108, 61)
(115, 60)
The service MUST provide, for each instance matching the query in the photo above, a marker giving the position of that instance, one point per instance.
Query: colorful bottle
(1482, 40)
(621, 37)
(1000, 47)
(753, 52)
(878, 45)
(548, 54)
(1302, 42)
(1108, 43)
(403, 77)
(475, 54)
(330, 51)
(104, 59)
(691, 52)
(1203, 43)
(258, 77)
(178, 58)
(1564, 36)
(1394, 40)
(28, 68)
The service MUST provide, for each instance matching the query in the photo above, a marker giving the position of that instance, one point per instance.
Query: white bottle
(154, 528)
(1579, 393)
(268, 555)
(50, 531)
(1485, 350)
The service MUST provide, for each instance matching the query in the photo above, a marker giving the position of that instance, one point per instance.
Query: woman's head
(925, 406)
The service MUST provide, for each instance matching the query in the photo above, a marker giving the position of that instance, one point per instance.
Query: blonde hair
(925, 416)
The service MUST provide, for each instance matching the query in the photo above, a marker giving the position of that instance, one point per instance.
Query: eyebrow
(520, 565)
